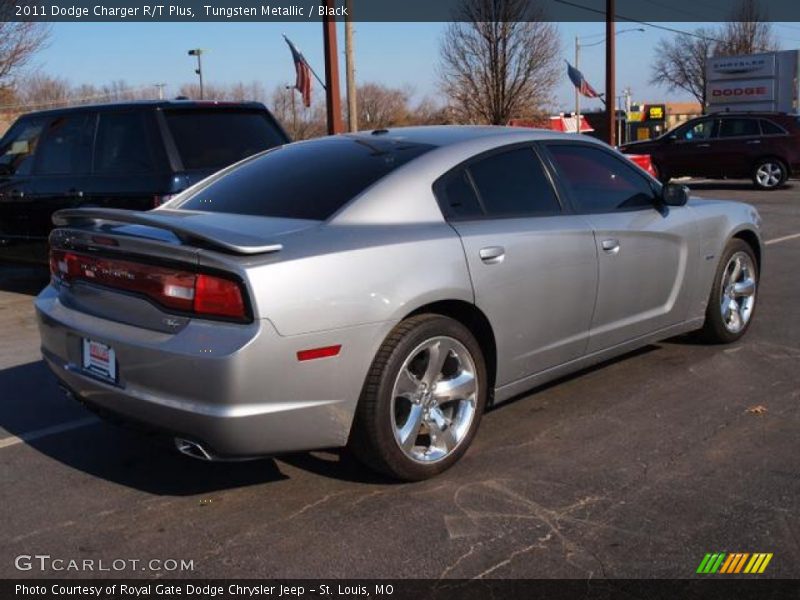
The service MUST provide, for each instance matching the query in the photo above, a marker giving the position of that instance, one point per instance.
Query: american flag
(303, 82)
(579, 81)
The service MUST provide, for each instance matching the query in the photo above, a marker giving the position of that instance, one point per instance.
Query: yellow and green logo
(734, 562)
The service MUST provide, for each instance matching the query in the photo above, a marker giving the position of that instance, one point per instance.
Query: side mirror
(673, 194)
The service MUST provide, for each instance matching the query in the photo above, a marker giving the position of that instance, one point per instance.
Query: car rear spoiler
(221, 239)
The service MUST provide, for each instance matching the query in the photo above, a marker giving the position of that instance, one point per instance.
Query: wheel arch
(751, 239)
(476, 321)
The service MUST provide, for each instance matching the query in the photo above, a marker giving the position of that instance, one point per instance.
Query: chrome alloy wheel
(738, 293)
(434, 399)
(769, 174)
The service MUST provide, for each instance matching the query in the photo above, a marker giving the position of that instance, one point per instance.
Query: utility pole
(350, 67)
(334, 101)
(160, 87)
(611, 73)
(198, 52)
(577, 92)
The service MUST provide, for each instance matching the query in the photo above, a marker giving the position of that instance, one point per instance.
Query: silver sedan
(380, 290)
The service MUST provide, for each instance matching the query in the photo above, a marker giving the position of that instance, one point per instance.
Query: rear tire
(732, 302)
(422, 400)
(770, 174)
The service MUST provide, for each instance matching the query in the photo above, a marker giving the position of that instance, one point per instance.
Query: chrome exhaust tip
(192, 449)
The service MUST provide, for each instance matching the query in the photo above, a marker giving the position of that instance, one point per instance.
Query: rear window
(308, 180)
(212, 139)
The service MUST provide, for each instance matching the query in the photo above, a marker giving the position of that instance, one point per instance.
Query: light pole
(198, 52)
(578, 47)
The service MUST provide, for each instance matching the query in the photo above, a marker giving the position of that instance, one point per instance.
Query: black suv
(134, 155)
(762, 146)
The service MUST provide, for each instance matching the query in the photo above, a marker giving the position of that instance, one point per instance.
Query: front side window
(18, 148)
(307, 180)
(66, 148)
(598, 181)
(701, 130)
(738, 128)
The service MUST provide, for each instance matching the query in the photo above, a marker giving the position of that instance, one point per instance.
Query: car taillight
(218, 296)
(198, 293)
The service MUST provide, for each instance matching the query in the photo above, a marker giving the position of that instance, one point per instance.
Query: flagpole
(310, 68)
(577, 91)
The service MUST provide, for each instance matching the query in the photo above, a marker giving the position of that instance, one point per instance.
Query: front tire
(422, 400)
(770, 174)
(733, 295)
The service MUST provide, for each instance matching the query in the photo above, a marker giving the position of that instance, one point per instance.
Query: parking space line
(47, 431)
(785, 238)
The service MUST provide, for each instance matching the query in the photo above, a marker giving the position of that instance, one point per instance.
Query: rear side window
(770, 128)
(738, 128)
(457, 197)
(67, 145)
(514, 183)
(307, 180)
(212, 139)
(123, 144)
(18, 147)
(597, 181)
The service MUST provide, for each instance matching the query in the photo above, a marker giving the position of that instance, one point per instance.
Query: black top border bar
(644, 11)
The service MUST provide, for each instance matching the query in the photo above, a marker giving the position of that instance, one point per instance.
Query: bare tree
(747, 32)
(18, 43)
(499, 60)
(300, 123)
(681, 62)
(44, 91)
(381, 106)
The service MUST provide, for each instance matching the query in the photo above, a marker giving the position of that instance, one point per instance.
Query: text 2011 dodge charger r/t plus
(378, 290)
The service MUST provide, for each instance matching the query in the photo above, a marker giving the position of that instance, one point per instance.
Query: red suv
(762, 146)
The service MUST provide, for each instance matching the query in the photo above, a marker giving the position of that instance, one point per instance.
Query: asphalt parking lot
(636, 468)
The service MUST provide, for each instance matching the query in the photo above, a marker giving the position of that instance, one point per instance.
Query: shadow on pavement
(23, 279)
(136, 459)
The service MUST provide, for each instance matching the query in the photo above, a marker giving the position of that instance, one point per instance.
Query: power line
(653, 25)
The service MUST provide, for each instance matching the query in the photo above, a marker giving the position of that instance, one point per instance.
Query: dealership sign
(763, 82)
(736, 67)
(750, 90)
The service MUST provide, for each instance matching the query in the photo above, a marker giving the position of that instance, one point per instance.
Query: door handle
(493, 255)
(610, 246)
(73, 193)
(16, 194)
(754, 142)
(704, 145)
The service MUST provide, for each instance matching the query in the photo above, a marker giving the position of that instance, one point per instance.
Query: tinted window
(598, 181)
(212, 139)
(698, 131)
(67, 145)
(122, 144)
(18, 147)
(738, 127)
(457, 197)
(514, 183)
(308, 180)
(770, 128)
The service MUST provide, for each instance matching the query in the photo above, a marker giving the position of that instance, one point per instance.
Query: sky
(395, 54)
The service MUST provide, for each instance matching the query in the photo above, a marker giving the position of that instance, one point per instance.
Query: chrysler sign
(735, 67)
(750, 90)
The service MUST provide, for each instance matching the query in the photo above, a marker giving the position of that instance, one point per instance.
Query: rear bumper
(236, 389)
